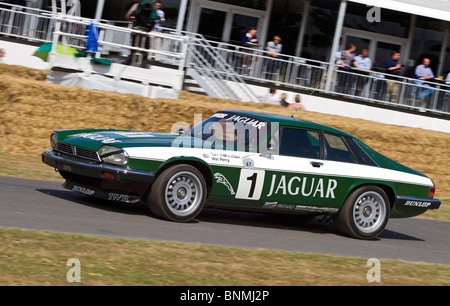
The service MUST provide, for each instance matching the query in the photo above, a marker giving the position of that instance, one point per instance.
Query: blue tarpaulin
(92, 38)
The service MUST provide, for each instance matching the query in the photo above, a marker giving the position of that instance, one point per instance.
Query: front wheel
(178, 194)
(365, 213)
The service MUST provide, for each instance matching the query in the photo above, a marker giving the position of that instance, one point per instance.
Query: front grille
(77, 151)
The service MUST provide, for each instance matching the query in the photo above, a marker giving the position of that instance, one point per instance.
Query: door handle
(316, 164)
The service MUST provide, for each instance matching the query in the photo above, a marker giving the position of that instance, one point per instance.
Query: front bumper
(100, 180)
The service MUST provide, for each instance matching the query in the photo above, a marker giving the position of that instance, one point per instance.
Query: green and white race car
(244, 161)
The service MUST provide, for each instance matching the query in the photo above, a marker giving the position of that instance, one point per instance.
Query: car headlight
(54, 140)
(113, 155)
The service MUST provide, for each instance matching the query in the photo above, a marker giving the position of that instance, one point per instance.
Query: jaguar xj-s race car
(244, 161)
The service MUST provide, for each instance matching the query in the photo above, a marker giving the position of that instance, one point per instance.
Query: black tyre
(365, 213)
(178, 194)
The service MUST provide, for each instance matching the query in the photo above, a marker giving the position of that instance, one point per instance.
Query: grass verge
(40, 258)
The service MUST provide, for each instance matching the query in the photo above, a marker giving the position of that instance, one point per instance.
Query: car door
(294, 176)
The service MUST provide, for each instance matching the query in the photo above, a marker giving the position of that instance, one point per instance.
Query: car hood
(94, 139)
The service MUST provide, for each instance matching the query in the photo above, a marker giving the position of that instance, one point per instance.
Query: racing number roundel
(251, 184)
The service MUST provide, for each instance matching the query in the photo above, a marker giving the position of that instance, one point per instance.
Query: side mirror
(268, 153)
(182, 130)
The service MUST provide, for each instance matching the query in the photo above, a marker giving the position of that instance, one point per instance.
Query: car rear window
(337, 150)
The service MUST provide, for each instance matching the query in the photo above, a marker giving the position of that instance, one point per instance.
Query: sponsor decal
(251, 183)
(108, 140)
(418, 203)
(307, 187)
(135, 134)
(83, 190)
(248, 121)
(326, 210)
(118, 197)
(242, 119)
(309, 209)
(248, 163)
(222, 180)
(270, 204)
(222, 157)
(285, 206)
(97, 137)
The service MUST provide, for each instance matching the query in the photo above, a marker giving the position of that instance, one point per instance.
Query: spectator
(162, 17)
(272, 97)
(393, 70)
(348, 56)
(446, 104)
(250, 39)
(2, 55)
(346, 62)
(157, 41)
(296, 104)
(283, 101)
(145, 17)
(362, 61)
(363, 65)
(423, 72)
(273, 49)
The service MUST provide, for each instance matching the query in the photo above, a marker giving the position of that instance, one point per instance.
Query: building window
(392, 23)
(428, 38)
(285, 21)
(320, 29)
(253, 4)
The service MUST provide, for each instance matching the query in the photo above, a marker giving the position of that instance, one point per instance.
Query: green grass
(40, 258)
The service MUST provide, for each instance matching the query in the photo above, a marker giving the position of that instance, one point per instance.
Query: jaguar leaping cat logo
(222, 180)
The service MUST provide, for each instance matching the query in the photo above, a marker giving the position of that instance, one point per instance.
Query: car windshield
(233, 131)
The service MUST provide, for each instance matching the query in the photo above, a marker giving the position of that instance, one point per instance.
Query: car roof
(290, 121)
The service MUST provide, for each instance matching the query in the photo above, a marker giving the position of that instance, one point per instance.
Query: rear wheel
(365, 213)
(178, 194)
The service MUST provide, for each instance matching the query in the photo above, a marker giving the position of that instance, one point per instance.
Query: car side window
(337, 150)
(299, 143)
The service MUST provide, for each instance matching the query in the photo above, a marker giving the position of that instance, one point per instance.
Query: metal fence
(232, 62)
(304, 74)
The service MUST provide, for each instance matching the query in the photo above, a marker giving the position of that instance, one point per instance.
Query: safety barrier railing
(310, 75)
(25, 23)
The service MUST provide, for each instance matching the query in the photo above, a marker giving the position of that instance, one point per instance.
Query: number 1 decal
(251, 183)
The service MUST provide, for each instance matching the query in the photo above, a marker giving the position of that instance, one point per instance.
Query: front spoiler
(109, 182)
(419, 203)
(101, 194)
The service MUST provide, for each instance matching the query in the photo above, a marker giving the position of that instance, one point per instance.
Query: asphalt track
(45, 205)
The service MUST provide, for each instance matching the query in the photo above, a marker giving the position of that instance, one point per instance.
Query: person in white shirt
(423, 73)
(363, 65)
(363, 61)
(272, 97)
(157, 41)
(273, 49)
(162, 16)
